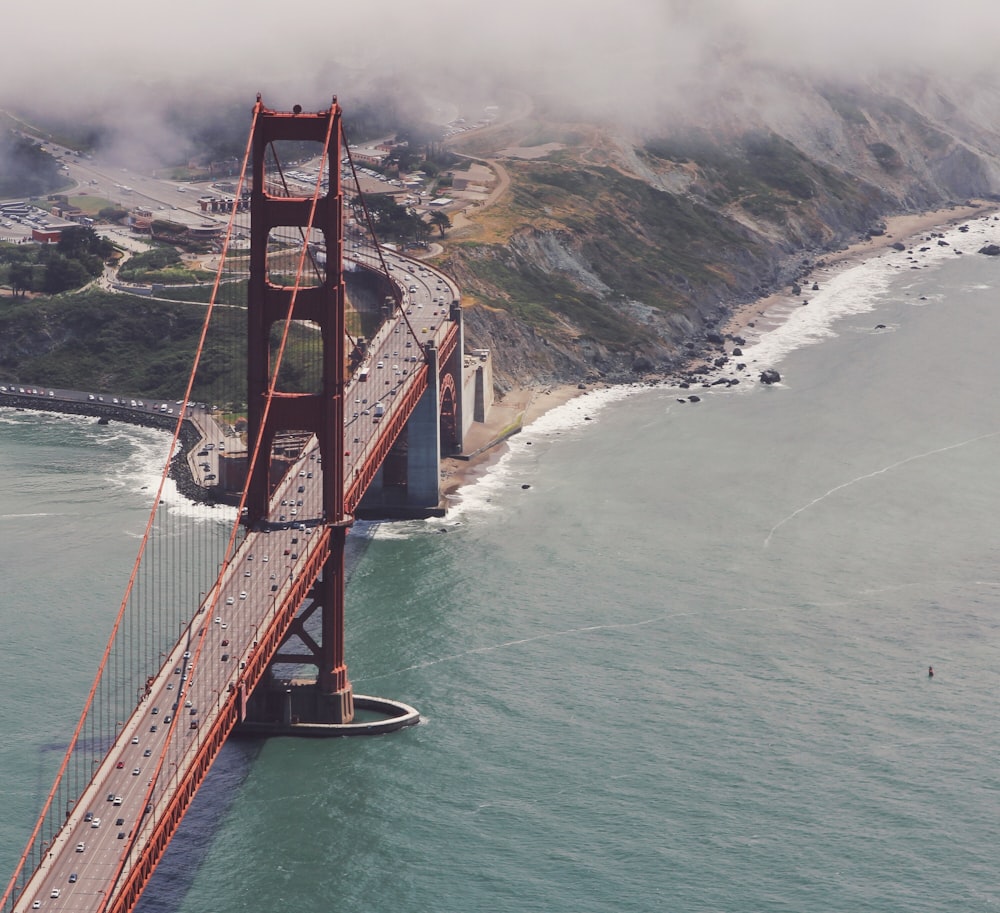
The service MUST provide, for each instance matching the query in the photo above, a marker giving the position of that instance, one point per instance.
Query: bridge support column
(335, 692)
(423, 461)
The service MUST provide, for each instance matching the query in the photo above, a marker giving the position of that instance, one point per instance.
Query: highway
(395, 353)
(201, 676)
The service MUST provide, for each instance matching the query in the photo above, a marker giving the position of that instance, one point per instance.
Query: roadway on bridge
(395, 354)
(118, 810)
(201, 675)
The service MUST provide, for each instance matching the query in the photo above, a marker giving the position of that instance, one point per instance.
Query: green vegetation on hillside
(121, 343)
(163, 264)
(760, 166)
(638, 242)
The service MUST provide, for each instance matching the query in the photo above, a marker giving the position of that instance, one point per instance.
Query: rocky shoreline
(180, 469)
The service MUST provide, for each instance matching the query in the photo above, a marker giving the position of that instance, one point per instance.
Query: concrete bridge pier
(423, 434)
(408, 484)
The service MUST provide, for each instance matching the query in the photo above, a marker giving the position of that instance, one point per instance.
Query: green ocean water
(670, 656)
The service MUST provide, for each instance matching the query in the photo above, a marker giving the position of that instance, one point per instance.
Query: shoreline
(485, 443)
(906, 229)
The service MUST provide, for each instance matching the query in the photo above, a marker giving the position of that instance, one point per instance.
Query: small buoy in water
(930, 672)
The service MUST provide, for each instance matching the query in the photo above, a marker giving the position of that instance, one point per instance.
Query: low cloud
(635, 60)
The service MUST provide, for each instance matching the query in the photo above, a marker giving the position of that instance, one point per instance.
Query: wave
(143, 470)
(573, 417)
(852, 290)
(31, 516)
(135, 459)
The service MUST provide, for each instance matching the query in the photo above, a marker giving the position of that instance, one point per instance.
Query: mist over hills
(702, 151)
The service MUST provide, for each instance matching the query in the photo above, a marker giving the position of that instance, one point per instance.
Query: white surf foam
(516, 462)
(850, 291)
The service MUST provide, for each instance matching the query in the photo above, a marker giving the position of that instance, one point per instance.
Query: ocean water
(669, 655)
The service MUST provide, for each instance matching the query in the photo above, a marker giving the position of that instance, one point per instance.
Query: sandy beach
(520, 407)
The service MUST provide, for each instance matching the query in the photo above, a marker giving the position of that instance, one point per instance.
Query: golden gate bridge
(352, 390)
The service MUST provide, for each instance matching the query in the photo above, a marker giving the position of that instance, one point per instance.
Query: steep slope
(613, 252)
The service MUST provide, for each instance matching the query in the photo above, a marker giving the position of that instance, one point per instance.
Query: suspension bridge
(352, 390)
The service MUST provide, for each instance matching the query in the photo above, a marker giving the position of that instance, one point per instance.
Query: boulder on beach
(769, 376)
(991, 250)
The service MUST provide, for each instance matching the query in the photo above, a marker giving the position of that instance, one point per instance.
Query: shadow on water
(192, 843)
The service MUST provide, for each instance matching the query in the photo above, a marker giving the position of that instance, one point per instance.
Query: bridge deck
(116, 833)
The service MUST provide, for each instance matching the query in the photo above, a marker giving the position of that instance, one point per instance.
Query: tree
(440, 221)
(81, 242)
(21, 278)
(28, 170)
(62, 274)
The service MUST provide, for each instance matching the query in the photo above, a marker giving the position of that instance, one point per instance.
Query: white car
(243, 595)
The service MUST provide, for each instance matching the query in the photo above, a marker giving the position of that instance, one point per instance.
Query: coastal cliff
(616, 255)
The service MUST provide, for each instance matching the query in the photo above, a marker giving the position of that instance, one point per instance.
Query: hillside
(609, 252)
(613, 253)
